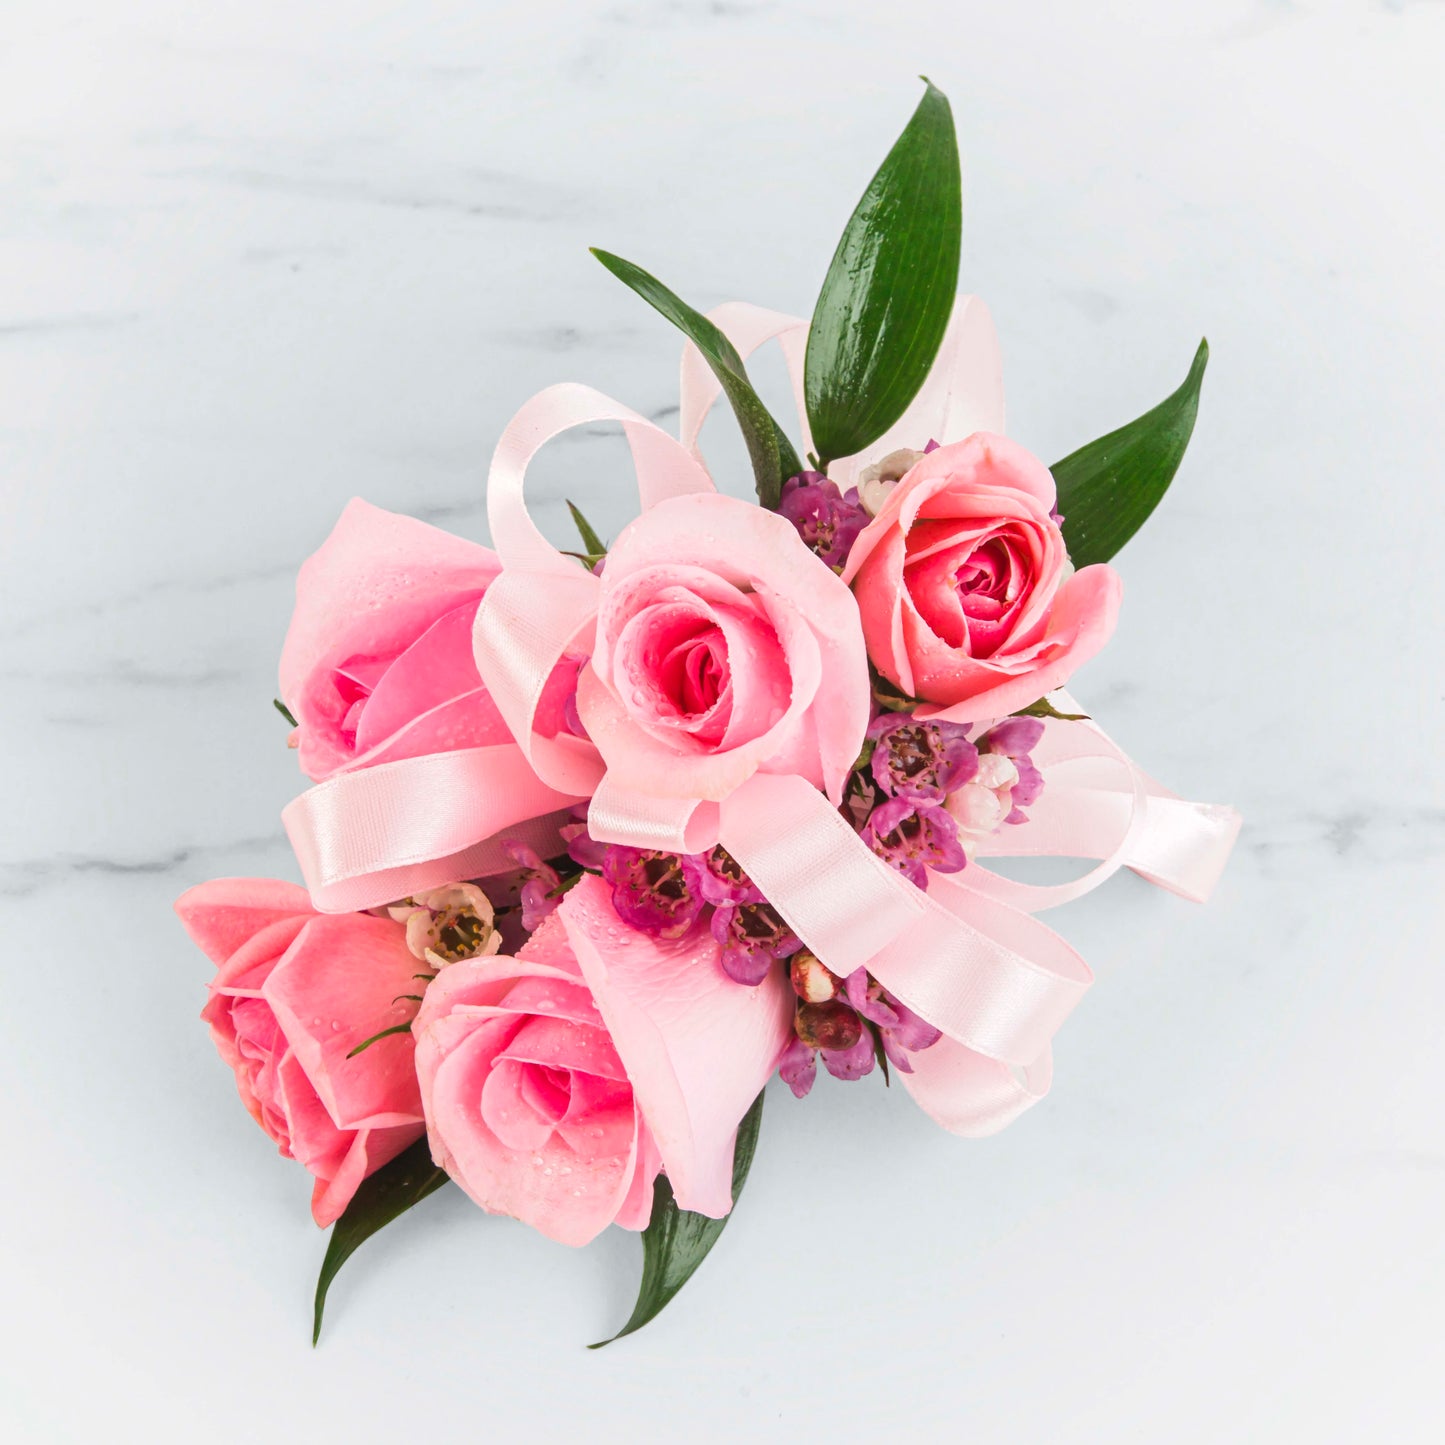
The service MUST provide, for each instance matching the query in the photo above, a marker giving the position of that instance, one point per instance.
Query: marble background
(257, 259)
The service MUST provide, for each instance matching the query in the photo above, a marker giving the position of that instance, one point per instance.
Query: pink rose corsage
(600, 839)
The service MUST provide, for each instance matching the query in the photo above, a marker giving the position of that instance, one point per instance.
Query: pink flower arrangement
(600, 841)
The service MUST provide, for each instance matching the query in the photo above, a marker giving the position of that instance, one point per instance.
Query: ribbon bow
(968, 955)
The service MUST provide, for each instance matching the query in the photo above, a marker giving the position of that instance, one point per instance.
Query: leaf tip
(933, 90)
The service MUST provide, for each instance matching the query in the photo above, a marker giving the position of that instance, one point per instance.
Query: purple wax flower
(538, 882)
(753, 938)
(900, 1029)
(921, 760)
(826, 519)
(870, 999)
(656, 892)
(723, 880)
(853, 1062)
(1014, 737)
(582, 847)
(913, 837)
(1029, 785)
(798, 1067)
(834, 1030)
(834, 1025)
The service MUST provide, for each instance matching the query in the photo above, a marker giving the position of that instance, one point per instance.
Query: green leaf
(382, 1197)
(770, 451)
(1108, 489)
(888, 696)
(385, 1033)
(889, 291)
(676, 1240)
(1044, 708)
(283, 710)
(594, 544)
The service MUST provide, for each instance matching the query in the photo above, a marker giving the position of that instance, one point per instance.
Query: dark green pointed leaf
(770, 451)
(283, 710)
(1108, 489)
(889, 291)
(676, 1240)
(382, 1197)
(594, 544)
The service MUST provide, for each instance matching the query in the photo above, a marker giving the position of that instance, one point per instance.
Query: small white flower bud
(996, 770)
(878, 479)
(975, 808)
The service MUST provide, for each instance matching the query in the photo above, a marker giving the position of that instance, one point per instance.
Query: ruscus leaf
(594, 544)
(381, 1198)
(769, 449)
(1108, 488)
(889, 291)
(676, 1240)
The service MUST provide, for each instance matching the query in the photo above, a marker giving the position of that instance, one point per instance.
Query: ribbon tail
(971, 1095)
(992, 978)
(372, 836)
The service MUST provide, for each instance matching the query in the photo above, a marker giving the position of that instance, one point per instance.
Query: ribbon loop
(748, 327)
(642, 820)
(962, 394)
(1098, 803)
(544, 604)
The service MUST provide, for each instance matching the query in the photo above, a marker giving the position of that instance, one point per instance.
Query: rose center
(547, 1090)
(988, 576)
(694, 673)
(352, 693)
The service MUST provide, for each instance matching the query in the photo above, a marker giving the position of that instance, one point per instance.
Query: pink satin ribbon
(373, 835)
(966, 955)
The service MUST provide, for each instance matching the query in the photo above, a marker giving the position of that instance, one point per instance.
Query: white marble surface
(255, 259)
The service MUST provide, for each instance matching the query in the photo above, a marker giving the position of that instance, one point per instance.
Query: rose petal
(375, 586)
(697, 1047)
(226, 913)
(334, 989)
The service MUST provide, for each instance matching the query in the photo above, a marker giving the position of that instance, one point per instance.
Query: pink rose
(724, 647)
(556, 1083)
(377, 663)
(296, 991)
(965, 588)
